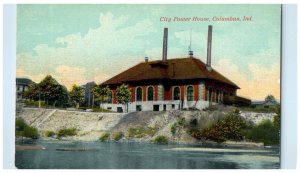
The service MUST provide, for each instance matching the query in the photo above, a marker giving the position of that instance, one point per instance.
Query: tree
(32, 92)
(277, 118)
(100, 93)
(270, 98)
(48, 90)
(123, 95)
(77, 95)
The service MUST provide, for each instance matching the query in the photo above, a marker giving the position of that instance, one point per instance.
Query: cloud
(19, 72)
(263, 80)
(95, 53)
(70, 75)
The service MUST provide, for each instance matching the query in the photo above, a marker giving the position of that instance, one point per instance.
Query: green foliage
(161, 140)
(265, 132)
(173, 128)
(117, 136)
(123, 94)
(104, 137)
(22, 129)
(30, 132)
(229, 128)
(49, 133)
(139, 132)
(66, 132)
(48, 90)
(101, 93)
(32, 103)
(100, 110)
(258, 109)
(20, 124)
(270, 98)
(181, 121)
(77, 95)
(277, 118)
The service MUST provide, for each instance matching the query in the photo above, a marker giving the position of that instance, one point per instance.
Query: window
(138, 108)
(150, 93)
(155, 107)
(176, 93)
(109, 99)
(139, 94)
(217, 96)
(190, 93)
(210, 94)
(224, 94)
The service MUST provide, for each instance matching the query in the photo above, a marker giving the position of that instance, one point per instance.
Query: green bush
(117, 136)
(181, 121)
(20, 124)
(101, 110)
(22, 129)
(30, 132)
(32, 103)
(66, 132)
(104, 137)
(139, 132)
(265, 132)
(49, 133)
(229, 128)
(174, 128)
(161, 140)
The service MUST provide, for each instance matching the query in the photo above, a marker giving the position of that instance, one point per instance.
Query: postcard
(148, 86)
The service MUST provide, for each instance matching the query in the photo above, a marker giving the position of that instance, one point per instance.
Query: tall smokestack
(165, 45)
(209, 38)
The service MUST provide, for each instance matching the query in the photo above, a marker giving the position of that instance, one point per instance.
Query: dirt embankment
(136, 126)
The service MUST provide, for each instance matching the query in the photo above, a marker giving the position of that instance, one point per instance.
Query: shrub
(174, 128)
(104, 137)
(20, 124)
(30, 132)
(31, 103)
(229, 128)
(265, 132)
(66, 132)
(117, 136)
(161, 140)
(49, 133)
(22, 129)
(181, 121)
(139, 132)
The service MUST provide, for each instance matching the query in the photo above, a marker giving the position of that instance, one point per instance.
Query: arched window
(110, 96)
(190, 93)
(217, 96)
(176, 93)
(150, 93)
(210, 94)
(139, 94)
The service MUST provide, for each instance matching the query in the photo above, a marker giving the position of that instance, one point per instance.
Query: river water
(129, 155)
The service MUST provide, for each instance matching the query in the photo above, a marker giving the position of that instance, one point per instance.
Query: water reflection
(142, 156)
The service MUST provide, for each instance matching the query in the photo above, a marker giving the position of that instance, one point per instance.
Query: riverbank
(131, 127)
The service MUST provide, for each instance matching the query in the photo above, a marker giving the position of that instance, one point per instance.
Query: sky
(82, 43)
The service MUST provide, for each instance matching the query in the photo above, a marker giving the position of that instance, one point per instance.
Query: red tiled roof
(184, 68)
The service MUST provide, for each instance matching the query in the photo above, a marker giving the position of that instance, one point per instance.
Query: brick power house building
(181, 83)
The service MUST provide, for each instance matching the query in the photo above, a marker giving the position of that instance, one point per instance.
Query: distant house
(88, 95)
(264, 104)
(22, 85)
